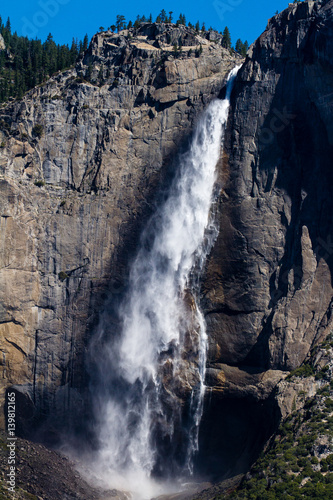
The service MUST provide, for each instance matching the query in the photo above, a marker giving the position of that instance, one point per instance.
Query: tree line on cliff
(25, 63)
(163, 17)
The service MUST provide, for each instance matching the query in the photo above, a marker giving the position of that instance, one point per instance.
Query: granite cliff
(267, 292)
(81, 161)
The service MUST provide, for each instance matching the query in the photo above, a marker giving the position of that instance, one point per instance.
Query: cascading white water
(149, 363)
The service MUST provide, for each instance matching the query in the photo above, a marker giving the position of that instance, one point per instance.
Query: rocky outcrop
(267, 292)
(80, 160)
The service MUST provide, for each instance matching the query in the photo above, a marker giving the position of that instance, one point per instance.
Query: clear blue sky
(246, 19)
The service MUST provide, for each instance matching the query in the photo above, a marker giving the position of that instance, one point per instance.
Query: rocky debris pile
(43, 474)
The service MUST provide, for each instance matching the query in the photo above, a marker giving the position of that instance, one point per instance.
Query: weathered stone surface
(231, 381)
(268, 290)
(82, 157)
(293, 392)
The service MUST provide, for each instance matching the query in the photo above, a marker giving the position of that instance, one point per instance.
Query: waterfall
(152, 371)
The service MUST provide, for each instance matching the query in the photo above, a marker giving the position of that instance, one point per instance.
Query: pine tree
(74, 51)
(226, 40)
(85, 42)
(6, 32)
(198, 51)
(181, 20)
(163, 16)
(120, 22)
(239, 46)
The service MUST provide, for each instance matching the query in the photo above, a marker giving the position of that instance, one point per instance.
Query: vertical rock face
(271, 266)
(267, 292)
(81, 159)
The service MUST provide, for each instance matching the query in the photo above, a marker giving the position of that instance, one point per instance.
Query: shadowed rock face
(267, 292)
(81, 160)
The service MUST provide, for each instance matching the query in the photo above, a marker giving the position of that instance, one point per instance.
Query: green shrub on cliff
(38, 130)
(63, 276)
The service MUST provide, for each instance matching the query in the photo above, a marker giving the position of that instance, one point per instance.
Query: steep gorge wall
(81, 159)
(267, 292)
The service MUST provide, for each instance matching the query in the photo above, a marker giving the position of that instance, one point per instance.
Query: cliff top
(165, 36)
(169, 41)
